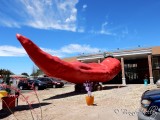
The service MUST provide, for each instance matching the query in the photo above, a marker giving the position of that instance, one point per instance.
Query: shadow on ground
(64, 95)
(73, 93)
(6, 112)
(113, 87)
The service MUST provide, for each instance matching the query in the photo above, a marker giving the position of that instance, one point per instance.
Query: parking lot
(113, 103)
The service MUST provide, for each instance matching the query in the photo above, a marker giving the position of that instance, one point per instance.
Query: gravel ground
(114, 102)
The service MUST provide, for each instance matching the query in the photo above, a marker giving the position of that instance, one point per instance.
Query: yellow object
(90, 100)
(3, 93)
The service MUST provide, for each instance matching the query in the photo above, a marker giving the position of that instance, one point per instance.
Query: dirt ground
(112, 103)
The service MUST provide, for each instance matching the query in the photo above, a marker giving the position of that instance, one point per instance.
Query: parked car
(30, 84)
(158, 83)
(25, 84)
(51, 82)
(57, 83)
(37, 84)
(150, 105)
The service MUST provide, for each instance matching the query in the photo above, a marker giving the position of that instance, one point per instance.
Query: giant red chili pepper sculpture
(75, 72)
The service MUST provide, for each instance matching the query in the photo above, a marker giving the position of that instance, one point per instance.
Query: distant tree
(5, 72)
(6, 75)
(40, 72)
(26, 74)
(36, 71)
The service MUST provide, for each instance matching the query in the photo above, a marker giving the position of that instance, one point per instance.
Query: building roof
(18, 76)
(128, 54)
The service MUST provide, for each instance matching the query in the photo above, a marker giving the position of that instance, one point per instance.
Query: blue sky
(67, 28)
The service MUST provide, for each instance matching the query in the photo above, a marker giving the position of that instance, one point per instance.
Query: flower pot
(89, 100)
(8, 102)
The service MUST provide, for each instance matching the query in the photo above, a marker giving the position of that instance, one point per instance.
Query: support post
(99, 60)
(150, 69)
(123, 72)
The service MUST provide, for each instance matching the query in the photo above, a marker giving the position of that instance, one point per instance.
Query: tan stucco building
(136, 64)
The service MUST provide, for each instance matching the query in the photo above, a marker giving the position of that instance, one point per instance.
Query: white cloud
(84, 7)
(104, 30)
(53, 52)
(76, 48)
(42, 14)
(71, 19)
(9, 23)
(7, 50)
(68, 50)
(125, 32)
(11, 51)
(80, 30)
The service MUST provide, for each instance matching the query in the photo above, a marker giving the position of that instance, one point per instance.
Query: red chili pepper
(75, 72)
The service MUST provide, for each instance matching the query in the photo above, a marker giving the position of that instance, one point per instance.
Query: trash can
(8, 102)
(145, 82)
